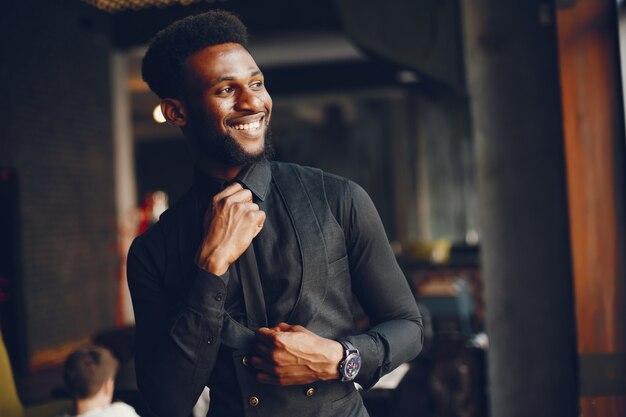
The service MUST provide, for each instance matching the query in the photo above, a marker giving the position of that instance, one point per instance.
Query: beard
(225, 150)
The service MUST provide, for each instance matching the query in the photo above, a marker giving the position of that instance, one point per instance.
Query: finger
(270, 339)
(266, 336)
(298, 328)
(260, 221)
(266, 379)
(241, 201)
(263, 365)
(248, 206)
(240, 196)
(263, 351)
(270, 379)
(229, 190)
(284, 327)
(272, 369)
(286, 378)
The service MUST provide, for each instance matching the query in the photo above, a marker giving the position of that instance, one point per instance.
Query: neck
(217, 170)
(88, 404)
(223, 173)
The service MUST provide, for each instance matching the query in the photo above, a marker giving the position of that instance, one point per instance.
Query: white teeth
(248, 126)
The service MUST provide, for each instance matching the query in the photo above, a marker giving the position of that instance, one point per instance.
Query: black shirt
(277, 255)
(169, 333)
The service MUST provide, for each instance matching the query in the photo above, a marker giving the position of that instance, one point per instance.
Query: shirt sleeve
(178, 337)
(396, 334)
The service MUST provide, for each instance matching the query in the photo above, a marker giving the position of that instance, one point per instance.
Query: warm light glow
(157, 115)
(114, 6)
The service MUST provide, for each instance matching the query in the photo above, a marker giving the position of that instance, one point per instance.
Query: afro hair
(162, 66)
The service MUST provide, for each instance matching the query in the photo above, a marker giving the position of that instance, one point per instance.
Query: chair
(450, 304)
(10, 404)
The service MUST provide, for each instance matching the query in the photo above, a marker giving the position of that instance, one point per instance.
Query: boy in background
(89, 375)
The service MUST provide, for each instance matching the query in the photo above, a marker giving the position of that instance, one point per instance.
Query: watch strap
(348, 351)
(348, 347)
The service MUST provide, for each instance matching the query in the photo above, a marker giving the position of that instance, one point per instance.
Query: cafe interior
(489, 135)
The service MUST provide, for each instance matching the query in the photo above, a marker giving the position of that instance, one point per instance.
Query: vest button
(244, 360)
(310, 392)
(219, 296)
(253, 401)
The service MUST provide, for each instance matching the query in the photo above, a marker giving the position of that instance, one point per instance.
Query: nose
(248, 101)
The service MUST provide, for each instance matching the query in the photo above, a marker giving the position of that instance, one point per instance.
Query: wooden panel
(54, 356)
(603, 406)
(594, 142)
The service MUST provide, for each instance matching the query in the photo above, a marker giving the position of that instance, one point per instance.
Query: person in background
(89, 377)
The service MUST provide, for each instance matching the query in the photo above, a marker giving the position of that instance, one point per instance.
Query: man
(89, 375)
(247, 285)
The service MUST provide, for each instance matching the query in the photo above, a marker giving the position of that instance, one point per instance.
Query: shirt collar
(255, 177)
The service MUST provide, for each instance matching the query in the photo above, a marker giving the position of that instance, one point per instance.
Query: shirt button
(253, 401)
(219, 296)
(211, 340)
(244, 360)
(310, 392)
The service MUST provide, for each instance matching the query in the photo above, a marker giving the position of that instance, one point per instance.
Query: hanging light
(157, 114)
(113, 6)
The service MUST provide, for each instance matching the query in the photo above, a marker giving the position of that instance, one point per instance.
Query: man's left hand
(293, 355)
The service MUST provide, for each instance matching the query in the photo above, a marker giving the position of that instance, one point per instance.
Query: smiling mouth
(248, 124)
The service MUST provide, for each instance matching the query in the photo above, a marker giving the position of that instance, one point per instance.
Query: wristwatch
(350, 366)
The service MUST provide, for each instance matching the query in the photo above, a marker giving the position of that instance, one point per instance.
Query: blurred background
(489, 135)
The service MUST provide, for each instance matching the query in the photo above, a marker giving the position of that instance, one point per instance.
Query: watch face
(352, 366)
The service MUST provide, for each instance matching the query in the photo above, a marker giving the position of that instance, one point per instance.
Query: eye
(257, 84)
(224, 91)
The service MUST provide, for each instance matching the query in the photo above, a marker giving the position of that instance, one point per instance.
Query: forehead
(228, 60)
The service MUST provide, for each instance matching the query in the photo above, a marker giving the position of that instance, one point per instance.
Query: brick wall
(56, 134)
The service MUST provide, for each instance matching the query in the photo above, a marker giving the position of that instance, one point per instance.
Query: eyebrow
(231, 77)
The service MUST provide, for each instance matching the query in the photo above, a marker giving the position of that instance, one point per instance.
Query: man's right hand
(234, 221)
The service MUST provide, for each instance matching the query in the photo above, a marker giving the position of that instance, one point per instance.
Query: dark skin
(225, 95)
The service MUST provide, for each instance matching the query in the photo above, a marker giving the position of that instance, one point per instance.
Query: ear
(174, 112)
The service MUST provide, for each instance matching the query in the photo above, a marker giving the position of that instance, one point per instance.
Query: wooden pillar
(125, 180)
(594, 143)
